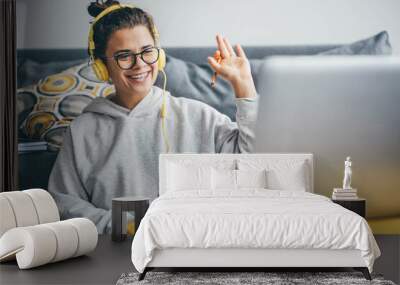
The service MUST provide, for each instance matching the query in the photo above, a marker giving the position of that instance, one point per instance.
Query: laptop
(336, 107)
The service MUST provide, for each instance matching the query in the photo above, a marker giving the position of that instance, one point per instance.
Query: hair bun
(95, 8)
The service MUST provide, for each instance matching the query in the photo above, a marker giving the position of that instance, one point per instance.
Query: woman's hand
(235, 68)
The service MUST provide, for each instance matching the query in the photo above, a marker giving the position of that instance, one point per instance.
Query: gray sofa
(188, 76)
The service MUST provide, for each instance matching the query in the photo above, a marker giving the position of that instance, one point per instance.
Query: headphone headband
(105, 12)
(109, 10)
(98, 17)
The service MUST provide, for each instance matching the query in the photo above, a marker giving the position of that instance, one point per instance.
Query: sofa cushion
(29, 71)
(375, 45)
(47, 108)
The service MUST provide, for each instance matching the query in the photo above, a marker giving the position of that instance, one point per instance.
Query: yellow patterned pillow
(46, 109)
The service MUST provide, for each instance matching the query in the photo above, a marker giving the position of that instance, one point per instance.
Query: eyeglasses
(126, 60)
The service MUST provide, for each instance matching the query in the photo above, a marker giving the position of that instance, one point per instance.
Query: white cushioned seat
(7, 220)
(45, 205)
(23, 208)
(40, 244)
(31, 231)
(26, 208)
(67, 237)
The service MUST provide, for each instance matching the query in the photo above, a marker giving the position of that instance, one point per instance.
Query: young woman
(112, 149)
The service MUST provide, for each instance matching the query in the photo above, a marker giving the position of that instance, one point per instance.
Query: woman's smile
(139, 77)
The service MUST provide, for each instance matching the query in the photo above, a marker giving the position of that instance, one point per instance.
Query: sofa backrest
(196, 55)
(233, 161)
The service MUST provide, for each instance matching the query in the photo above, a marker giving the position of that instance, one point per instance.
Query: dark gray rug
(244, 278)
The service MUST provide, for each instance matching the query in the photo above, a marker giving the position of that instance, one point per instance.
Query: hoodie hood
(148, 105)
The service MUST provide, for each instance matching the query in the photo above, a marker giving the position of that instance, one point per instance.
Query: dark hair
(118, 19)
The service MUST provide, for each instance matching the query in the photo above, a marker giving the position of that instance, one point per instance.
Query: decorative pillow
(232, 180)
(294, 178)
(375, 45)
(281, 174)
(45, 110)
(224, 179)
(251, 178)
(29, 72)
(182, 178)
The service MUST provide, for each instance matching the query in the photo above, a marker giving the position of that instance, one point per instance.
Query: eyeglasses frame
(134, 55)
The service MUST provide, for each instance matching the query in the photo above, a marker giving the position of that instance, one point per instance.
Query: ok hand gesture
(234, 67)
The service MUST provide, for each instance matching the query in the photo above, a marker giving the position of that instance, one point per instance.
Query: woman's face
(138, 80)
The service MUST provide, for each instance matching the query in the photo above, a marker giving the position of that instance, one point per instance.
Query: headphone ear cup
(161, 60)
(100, 70)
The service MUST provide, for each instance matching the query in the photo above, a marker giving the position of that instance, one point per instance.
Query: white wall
(64, 24)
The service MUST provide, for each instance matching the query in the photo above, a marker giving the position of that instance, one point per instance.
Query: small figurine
(347, 173)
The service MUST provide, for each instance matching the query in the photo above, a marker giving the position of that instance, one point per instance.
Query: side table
(120, 206)
(358, 205)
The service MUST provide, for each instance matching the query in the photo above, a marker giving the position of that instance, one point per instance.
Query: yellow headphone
(101, 71)
(98, 65)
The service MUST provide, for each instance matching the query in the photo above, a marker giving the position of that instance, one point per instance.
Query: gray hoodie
(110, 151)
